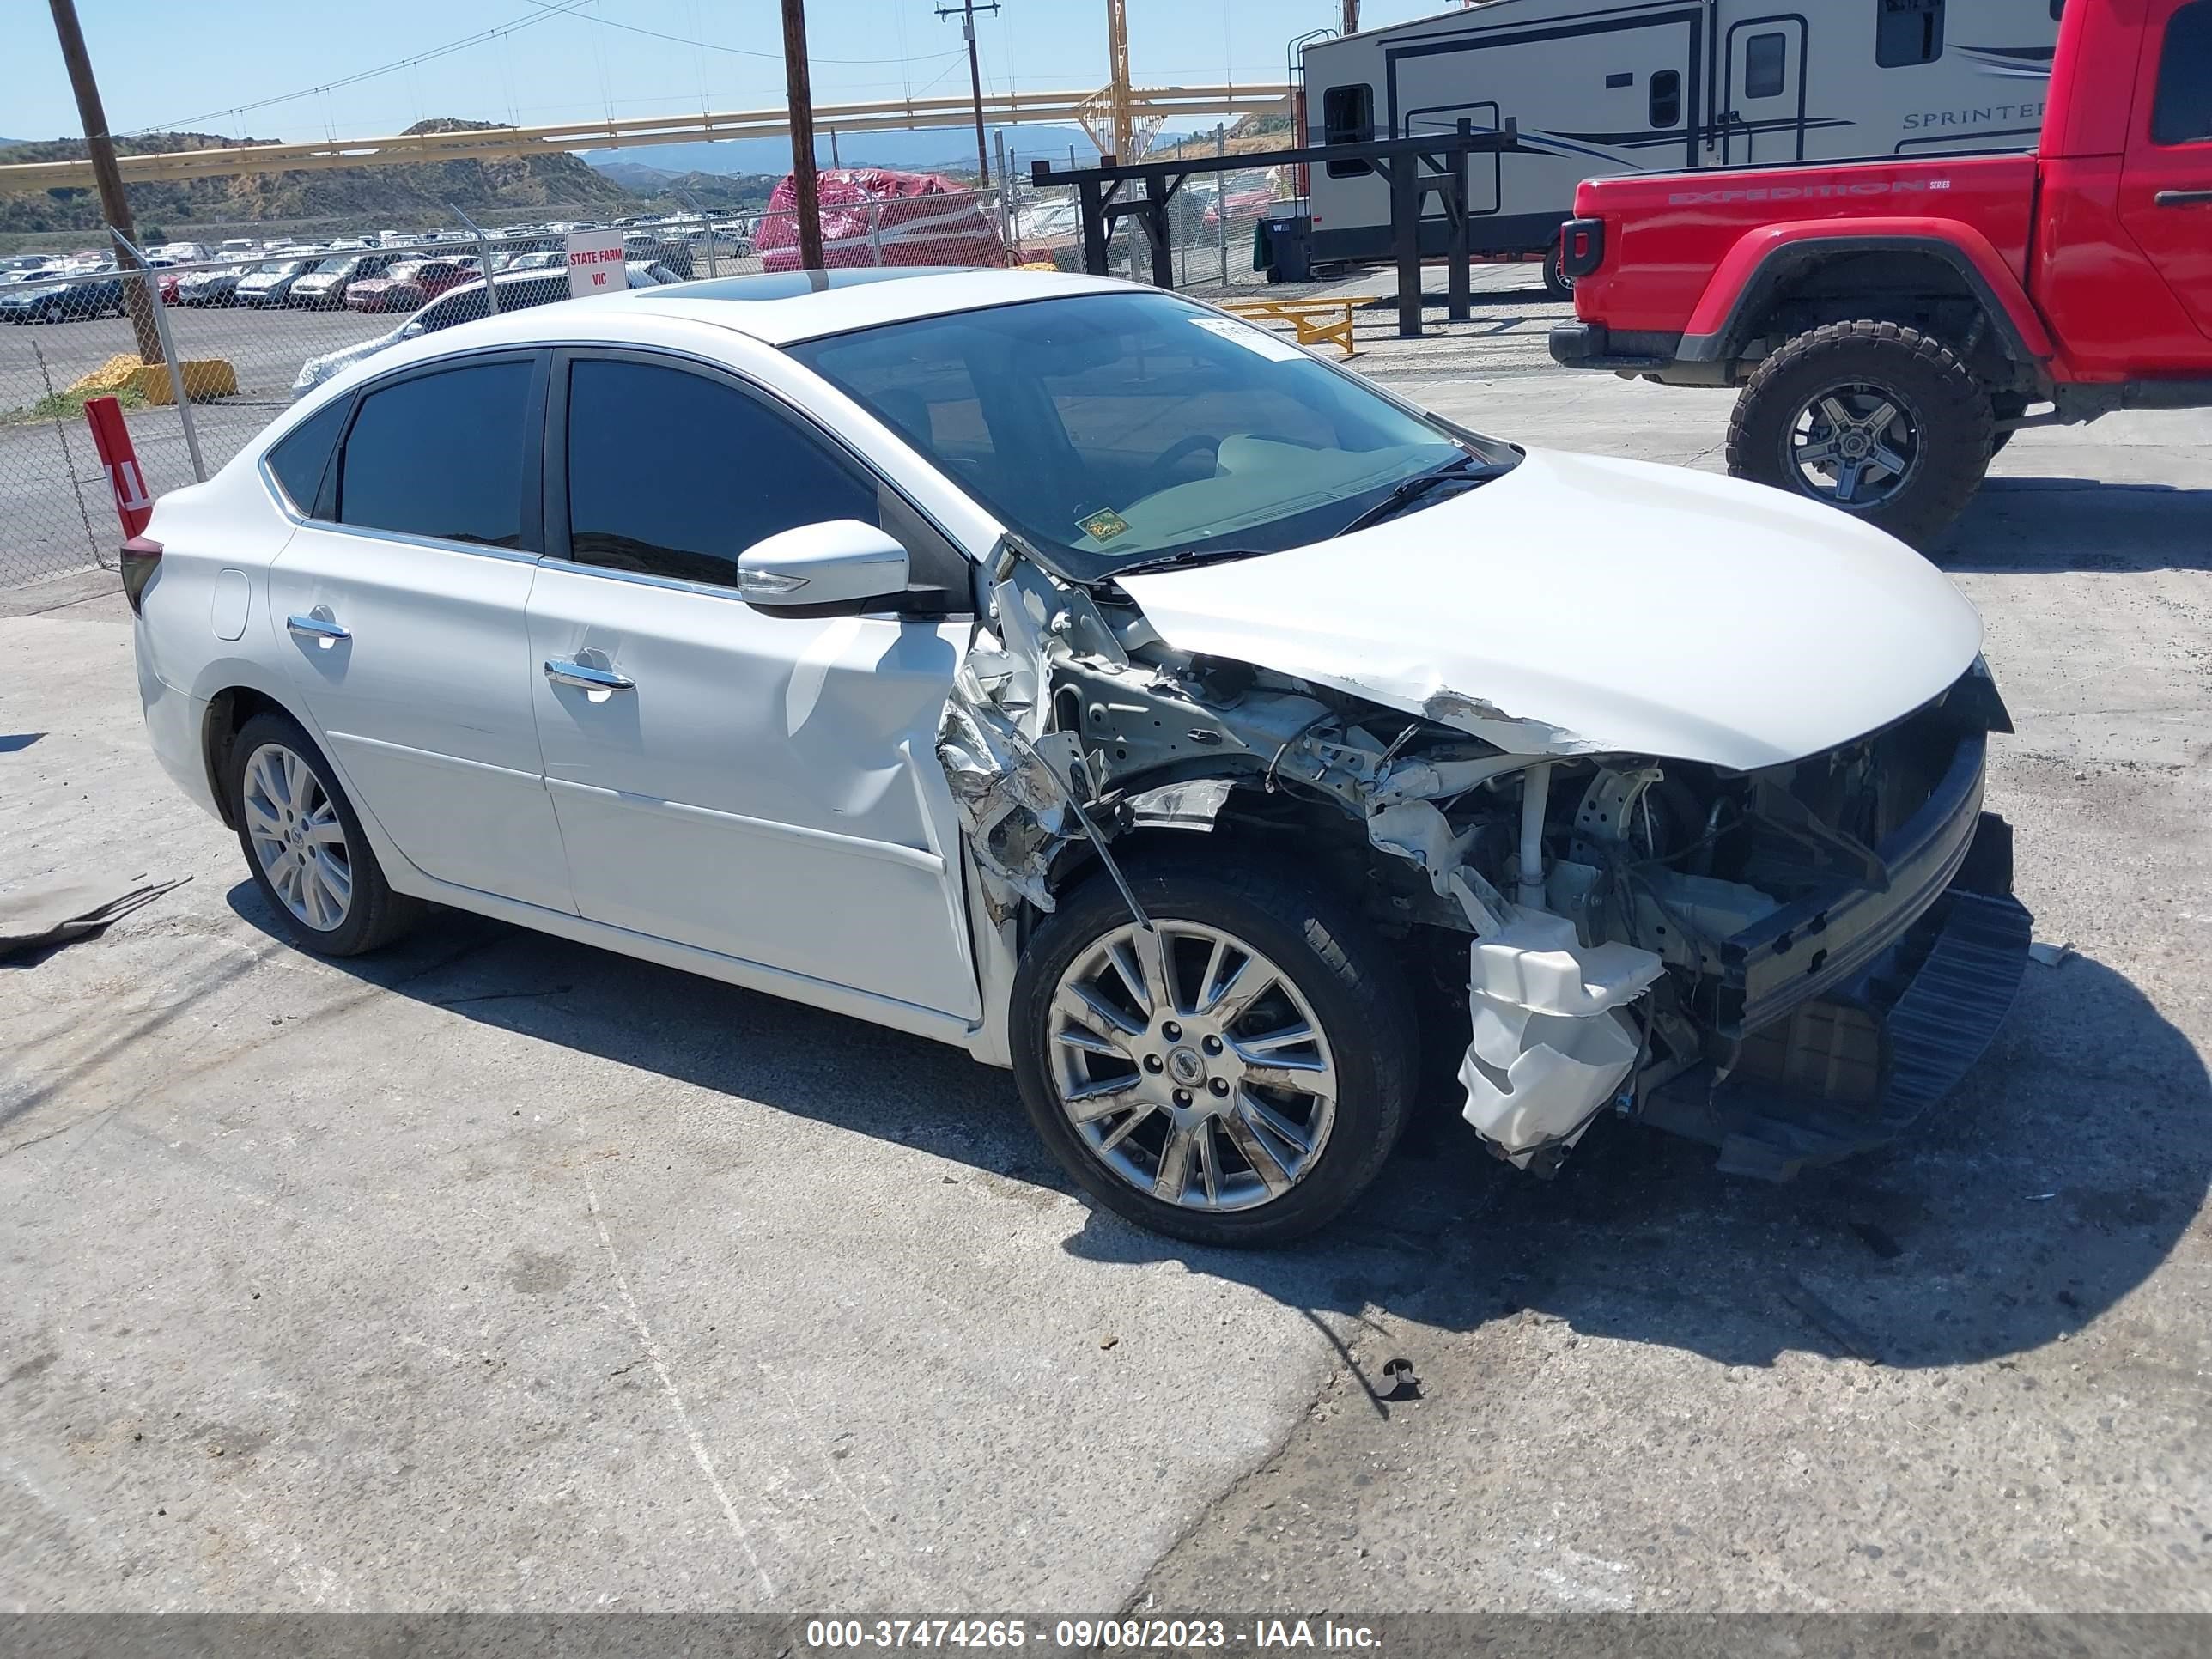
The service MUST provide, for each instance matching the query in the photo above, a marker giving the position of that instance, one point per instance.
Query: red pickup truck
(1892, 323)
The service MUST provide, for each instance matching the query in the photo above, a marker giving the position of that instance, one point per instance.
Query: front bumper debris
(1865, 1063)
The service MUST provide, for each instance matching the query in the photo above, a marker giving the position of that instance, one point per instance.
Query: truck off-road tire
(1237, 1076)
(303, 842)
(1873, 418)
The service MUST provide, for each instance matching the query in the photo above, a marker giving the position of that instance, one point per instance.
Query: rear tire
(1811, 420)
(1204, 1078)
(303, 842)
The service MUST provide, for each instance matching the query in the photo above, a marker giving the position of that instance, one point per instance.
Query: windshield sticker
(1257, 340)
(1103, 525)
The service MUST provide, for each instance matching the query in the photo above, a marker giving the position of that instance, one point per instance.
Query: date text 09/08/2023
(1093, 1635)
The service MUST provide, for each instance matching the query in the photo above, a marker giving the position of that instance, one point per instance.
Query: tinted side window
(2182, 114)
(1908, 32)
(1766, 62)
(441, 455)
(1347, 116)
(301, 457)
(675, 474)
(1666, 98)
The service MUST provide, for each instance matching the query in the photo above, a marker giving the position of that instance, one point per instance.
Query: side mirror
(843, 562)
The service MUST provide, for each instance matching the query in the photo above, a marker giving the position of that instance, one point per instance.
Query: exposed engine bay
(1608, 931)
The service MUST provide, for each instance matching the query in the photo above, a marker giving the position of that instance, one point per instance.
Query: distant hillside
(398, 195)
(736, 191)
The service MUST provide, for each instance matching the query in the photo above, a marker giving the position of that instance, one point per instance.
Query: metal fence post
(483, 257)
(169, 352)
(1221, 202)
(705, 227)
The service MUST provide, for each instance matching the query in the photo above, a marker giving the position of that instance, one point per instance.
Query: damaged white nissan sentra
(1082, 677)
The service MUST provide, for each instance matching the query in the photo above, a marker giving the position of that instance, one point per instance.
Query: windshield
(1113, 428)
(344, 261)
(277, 268)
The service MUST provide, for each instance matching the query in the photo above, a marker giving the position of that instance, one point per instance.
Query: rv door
(1763, 117)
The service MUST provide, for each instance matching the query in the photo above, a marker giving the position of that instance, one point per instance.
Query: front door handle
(588, 678)
(2182, 198)
(319, 626)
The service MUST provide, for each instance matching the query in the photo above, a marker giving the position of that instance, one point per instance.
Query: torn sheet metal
(1552, 1044)
(1013, 811)
(1192, 805)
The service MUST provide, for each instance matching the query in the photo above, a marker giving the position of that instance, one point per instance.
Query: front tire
(1877, 419)
(1237, 1077)
(304, 844)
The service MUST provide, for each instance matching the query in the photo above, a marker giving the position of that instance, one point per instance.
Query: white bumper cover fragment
(1553, 1042)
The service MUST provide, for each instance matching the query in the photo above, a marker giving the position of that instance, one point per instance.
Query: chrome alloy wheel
(1191, 1066)
(297, 837)
(1854, 446)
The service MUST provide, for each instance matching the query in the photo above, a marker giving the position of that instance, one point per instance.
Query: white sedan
(1078, 674)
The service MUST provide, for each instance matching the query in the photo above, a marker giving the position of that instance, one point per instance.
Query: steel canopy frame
(1400, 161)
(231, 161)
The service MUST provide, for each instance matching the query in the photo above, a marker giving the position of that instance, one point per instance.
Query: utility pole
(799, 88)
(1351, 17)
(965, 11)
(114, 205)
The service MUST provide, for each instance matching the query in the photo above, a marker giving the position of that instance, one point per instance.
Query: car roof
(782, 308)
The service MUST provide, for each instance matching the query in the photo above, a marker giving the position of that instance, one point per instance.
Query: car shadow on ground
(2052, 1186)
(2049, 524)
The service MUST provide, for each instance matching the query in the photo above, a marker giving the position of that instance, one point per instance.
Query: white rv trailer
(1625, 86)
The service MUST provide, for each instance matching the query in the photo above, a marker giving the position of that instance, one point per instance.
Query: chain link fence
(249, 329)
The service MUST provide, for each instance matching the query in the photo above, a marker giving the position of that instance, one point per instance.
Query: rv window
(1666, 98)
(1613, 82)
(1347, 116)
(1766, 60)
(2182, 114)
(1908, 32)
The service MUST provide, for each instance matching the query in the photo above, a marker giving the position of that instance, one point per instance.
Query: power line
(545, 9)
(512, 26)
(734, 52)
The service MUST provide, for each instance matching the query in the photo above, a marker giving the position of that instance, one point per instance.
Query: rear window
(299, 459)
(441, 455)
(2183, 114)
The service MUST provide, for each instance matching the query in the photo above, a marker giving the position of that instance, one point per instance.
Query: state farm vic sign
(595, 262)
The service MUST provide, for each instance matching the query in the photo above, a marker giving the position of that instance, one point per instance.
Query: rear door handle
(319, 626)
(2182, 198)
(590, 678)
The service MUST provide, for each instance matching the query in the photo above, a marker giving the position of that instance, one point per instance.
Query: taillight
(1581, 247)
(142, 557)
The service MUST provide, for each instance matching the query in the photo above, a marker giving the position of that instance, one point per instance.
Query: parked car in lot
(324, 286)
(67, 300)
(271, 284)
(214, 286)
(1072, 673)
(518, 290)
(408, 284)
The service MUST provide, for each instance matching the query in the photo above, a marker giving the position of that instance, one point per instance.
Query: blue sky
(175, 64)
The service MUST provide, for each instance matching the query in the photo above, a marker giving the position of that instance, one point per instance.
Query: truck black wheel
(1873, 418)
(1238, 1073)
(1557, 283)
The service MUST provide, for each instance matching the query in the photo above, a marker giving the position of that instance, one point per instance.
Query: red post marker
(112, 438)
